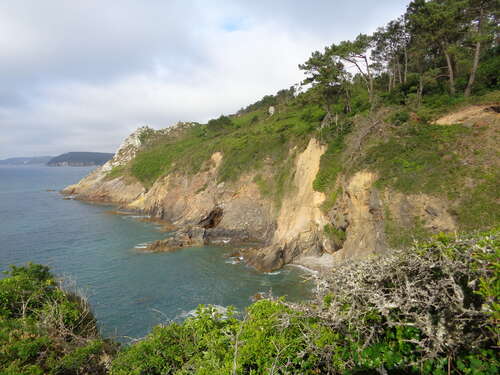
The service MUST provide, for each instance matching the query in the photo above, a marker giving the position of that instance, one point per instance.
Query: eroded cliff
(362, 211)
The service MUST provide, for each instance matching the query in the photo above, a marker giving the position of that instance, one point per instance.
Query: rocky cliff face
(205, 211)
(97, 186)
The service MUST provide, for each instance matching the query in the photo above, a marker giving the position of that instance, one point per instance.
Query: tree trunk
(399, 71)
(420, 90)
(370, 83)
(477, 53)
(450, 72)
(406, 66)
(390, 79)
(394, 75)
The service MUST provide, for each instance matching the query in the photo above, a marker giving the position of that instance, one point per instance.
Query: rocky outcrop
(98, 187)
(359, 214)
(188, 237)
(298, 231)
(300, 223)
(363, 211)
(128, 149)
(230, 212)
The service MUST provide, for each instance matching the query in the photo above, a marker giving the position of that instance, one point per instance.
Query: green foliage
(330, 165)
(275, 186)
(264, 103)
(399, 236)
(223, 122)
(338, 236)
(400, 117)
(419, 159)
(146, 134)
(346, 331)
(247, 142)
(479, 206)
(313, 115)
(429, 159)
(116, 172)
(211, 343)
(44, 330)
(254, 119)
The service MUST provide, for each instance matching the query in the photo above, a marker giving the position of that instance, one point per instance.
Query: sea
(99, 254)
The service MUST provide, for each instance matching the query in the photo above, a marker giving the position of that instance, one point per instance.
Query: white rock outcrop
(128, 149)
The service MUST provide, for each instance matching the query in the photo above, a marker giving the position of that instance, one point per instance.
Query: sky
(82, 75)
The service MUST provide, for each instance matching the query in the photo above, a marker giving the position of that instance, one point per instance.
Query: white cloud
(82, 75)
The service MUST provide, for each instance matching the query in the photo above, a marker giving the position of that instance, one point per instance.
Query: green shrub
(364, 320)
(221, 123)
(400, 118)
(45, 330)
(375, 315)
(418, 159)
(116, 172)
(330, 165)
(338, 236)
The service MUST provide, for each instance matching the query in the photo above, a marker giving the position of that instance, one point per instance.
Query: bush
(223, 122)
(45, 330)
(413, 311)
(416, 311)
(400, 118)
(429, 309)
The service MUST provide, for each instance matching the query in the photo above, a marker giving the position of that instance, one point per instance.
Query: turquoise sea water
(130, 291)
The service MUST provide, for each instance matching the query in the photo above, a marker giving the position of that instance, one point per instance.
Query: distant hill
(29, 160)
(77, 159)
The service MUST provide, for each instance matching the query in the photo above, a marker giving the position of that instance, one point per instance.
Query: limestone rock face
(360, 214)
(300, 222)
(209, 212)
(271, 110)
(128, 149)
(96, 187)
(363, 211)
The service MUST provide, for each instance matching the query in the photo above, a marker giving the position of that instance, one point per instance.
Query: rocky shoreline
(198, 210)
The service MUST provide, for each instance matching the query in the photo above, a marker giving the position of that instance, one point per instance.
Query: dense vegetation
(430, 309)
(46, 330)
(439, 56)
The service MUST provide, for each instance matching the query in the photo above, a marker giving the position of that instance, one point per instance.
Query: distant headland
(78, 159)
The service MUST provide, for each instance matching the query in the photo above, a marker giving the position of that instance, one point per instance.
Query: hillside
(79, 159)
(391, 137)
(380, 172)
(26, 160)
(308, 190)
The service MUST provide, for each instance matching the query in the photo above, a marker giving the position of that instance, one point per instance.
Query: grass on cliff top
(445, 161)
(247, 142)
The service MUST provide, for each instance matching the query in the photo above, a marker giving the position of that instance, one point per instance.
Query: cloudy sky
(81, 75)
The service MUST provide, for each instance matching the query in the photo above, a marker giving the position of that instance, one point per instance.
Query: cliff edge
(314, 199)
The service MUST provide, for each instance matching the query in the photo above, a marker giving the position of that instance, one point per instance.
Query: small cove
(130, 291)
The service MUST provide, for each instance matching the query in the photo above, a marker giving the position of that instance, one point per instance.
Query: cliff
(300, 188)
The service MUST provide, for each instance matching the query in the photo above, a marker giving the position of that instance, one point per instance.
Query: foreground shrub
(431, 309)
(45, 330)
(270, 339)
